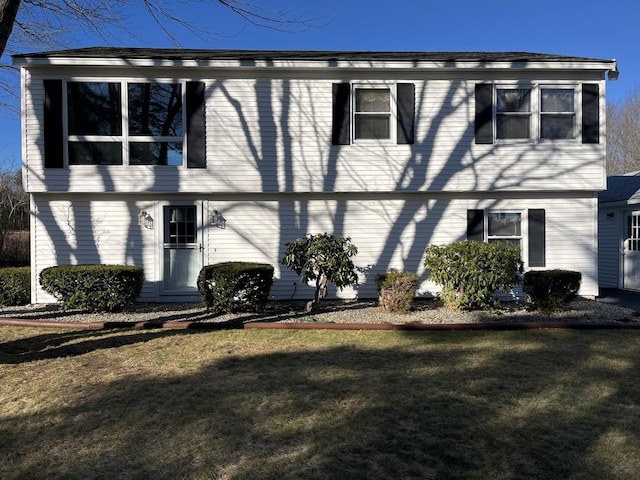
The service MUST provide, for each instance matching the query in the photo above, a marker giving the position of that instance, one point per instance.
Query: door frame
(191, 294)
(627, 214)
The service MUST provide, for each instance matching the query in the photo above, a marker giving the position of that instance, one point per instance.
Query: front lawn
(319, 404)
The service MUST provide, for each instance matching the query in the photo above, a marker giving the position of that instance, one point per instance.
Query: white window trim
(536, 112)
(531, 113)
(524, 230)
(393, 116)
(576, 106)
(125, 138)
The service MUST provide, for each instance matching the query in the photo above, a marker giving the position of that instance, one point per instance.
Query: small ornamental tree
(322, 258)
(472, 272)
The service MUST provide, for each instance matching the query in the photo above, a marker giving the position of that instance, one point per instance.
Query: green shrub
(322, 258)
(471, 272)
(15, 286)
(96, 288)
(396, 291)
(235, 286)
(549, 290)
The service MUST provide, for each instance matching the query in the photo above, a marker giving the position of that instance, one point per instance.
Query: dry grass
(319, 404)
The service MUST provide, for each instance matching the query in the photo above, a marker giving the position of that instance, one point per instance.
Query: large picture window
(155, 123)
(94, 111)
(99, 133)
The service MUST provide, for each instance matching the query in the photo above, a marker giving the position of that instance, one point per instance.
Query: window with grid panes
(557, 113)
(372, 113)
(504, 227)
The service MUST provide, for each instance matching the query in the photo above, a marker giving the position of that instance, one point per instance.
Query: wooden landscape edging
(319, 326)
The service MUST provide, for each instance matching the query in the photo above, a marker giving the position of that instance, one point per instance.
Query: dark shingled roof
(265, 55)
(621, 188)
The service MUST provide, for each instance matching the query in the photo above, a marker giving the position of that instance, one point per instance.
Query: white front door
(631, 252)
(182, 248)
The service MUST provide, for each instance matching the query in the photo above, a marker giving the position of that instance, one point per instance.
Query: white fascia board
(313, 65)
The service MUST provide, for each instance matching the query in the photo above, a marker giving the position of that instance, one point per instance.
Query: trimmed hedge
(471, 272)
(396, 291)
(95, 288)
(15, 286)
(235, 286)
(549, 290)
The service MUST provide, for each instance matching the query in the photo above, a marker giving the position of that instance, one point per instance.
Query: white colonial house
(175, 159)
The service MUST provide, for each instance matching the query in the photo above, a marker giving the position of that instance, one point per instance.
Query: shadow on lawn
(436, 405)
(71, 343)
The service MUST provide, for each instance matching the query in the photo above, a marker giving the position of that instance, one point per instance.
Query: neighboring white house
(619, 233)
(174, 159)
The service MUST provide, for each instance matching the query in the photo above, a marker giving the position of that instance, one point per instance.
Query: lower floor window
(524, 228)
(505, 228)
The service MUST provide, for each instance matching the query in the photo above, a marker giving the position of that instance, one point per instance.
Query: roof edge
(275, 58)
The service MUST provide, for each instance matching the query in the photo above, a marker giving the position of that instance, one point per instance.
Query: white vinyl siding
(88, 230)
(275, 135)
(391, 231)
(274, 175)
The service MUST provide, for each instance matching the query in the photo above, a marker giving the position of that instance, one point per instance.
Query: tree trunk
(8, 12)
(321, 292)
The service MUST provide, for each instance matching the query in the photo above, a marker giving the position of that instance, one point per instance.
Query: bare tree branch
(623, 135)
(52, 24)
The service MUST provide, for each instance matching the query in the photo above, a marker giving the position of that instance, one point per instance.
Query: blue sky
(585, 28)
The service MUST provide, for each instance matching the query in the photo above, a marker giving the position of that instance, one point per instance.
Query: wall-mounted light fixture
(145, 219)
(217, 220)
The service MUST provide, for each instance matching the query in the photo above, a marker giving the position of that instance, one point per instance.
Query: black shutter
(536, 238)
(53, 140)
(484, 113)
(406, 113)
(590, 113)
(196, 128)
(340, 134)
(475, 225)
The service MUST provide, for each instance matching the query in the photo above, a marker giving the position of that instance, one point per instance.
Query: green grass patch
(319, 404)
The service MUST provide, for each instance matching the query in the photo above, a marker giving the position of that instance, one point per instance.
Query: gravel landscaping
(581, 310)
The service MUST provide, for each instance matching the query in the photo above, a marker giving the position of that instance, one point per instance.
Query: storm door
(182, 248)
(631, 251)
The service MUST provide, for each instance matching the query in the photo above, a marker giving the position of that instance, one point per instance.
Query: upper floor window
(372, 114)
(537, 113)
(557, 113)
(94, 113)
(513, 113)
(99, 133)
(124, 123)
